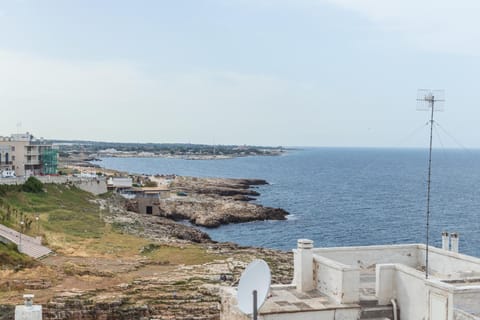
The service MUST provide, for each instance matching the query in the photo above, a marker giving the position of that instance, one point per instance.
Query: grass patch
(188, 255)
(115, 243)
(72, 224)
(62, 209)
(11, 258)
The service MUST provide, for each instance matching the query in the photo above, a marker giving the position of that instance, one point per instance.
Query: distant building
(27, 156)
(147, 199)
(114, 183)
(372, 282)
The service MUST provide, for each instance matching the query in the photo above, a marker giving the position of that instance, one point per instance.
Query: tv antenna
(253, 287)
(429, 100)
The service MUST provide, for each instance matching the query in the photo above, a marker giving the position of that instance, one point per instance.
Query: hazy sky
(265, 72)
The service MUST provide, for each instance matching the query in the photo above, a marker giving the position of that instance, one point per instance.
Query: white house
(373, 282)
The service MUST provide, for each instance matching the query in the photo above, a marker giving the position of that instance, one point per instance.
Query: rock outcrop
(212, 213)
(211, 202)
(184, 292)
(148, 226)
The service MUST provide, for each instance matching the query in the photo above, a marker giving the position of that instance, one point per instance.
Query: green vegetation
(61, 209)
(32, 185)
(76, 147)
(150, 184)
(70, 221)
(11, 258)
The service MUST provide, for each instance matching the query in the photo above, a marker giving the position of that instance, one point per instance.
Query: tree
(32, 185)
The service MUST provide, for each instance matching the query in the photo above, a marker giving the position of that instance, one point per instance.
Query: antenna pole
(432, 101)
(255, 311)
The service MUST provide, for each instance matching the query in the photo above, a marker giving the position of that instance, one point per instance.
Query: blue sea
(345, 196)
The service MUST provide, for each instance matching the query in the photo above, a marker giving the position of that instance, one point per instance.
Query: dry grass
(188, 255)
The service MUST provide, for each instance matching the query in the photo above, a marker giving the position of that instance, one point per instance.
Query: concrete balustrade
(336, 280)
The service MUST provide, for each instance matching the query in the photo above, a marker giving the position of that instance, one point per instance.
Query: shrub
(151, 184)
(32, 185)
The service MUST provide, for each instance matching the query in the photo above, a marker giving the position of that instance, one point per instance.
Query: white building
(116, 183)
(26, 156)
(372, 282)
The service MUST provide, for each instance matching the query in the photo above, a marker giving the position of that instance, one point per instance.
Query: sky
(258, 72)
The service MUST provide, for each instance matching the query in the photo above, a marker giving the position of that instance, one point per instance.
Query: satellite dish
(253, 287)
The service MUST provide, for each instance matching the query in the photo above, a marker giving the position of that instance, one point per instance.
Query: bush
(151, 184)
(32, 185)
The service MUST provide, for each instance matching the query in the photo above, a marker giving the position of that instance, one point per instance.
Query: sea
(345, 196)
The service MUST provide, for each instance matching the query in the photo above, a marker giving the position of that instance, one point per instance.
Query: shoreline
(144, 255)
(208, 201)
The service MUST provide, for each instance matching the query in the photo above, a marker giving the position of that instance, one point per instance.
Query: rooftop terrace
(368, 282)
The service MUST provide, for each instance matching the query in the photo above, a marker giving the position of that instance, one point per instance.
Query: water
(343, 197)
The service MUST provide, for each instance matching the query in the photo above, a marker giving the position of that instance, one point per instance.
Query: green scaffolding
(49, 161)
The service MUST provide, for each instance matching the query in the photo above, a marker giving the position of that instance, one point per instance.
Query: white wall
(338, 281)
(450, 263)
(467, 299)
(338, 314)
(411, 293)
(303, 270)
(365, 257)
(93, 186)
(385, 282)
(462, 315)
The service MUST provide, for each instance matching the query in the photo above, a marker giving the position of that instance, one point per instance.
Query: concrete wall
(420, 298)
(467, 299)
(450, 263)
(338, 314)
(93, 185)
(338, 281)
(462, 315)
(410, 293)
(143, 203)
(229, 311)
(365, 257)
(406, 285)
(385, 282)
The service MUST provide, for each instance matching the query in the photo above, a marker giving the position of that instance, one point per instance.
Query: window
(149, 210)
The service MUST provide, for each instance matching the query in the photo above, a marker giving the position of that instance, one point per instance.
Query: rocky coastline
(140, 287)
(212, 202)
(175, 275)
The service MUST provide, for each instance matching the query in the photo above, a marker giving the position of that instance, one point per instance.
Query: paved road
(29, 246)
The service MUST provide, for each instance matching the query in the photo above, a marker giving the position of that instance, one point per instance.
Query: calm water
(340, 197)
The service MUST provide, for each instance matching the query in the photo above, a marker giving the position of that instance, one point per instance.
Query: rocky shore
(176, 272)
(140, 287)
(211, 202)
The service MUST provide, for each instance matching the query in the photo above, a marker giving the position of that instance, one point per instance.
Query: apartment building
(27, 156)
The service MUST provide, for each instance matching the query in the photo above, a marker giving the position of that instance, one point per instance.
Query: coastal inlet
(207, 202)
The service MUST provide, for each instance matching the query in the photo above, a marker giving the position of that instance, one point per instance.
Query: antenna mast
(429, 100)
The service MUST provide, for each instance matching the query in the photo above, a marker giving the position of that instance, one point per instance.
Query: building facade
(27, 156)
